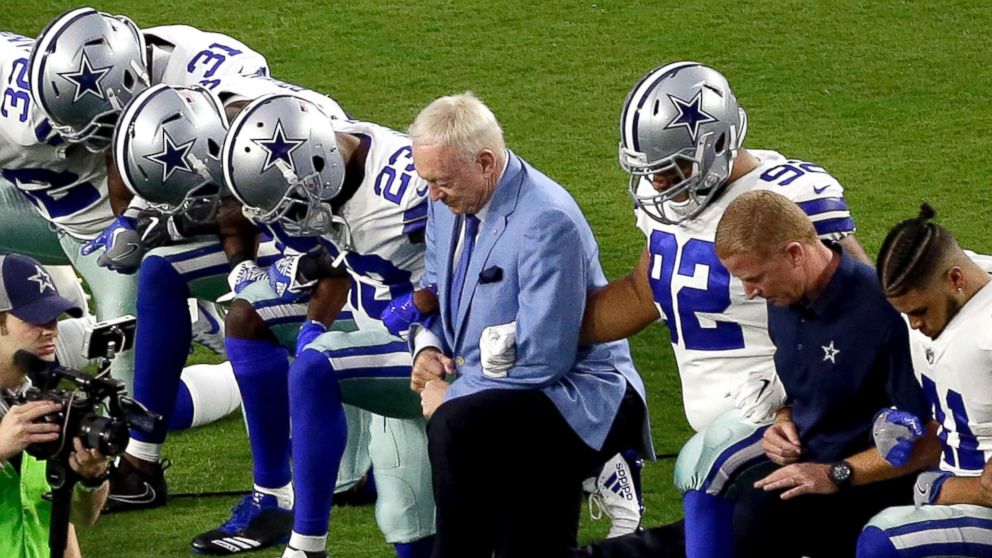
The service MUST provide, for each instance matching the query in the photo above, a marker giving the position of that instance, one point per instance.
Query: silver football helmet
(282, 162)
(683, 122)
(167, 149)
(85, 67)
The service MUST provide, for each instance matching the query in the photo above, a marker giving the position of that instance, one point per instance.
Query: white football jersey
(231, 89)
(718, 335)
(68, 186)
(956, 373)
(184, 55)
(386, 215)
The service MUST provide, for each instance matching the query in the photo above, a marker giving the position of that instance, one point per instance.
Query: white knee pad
(213, 389)
(711, 457)
(404, 509)
(356, 461)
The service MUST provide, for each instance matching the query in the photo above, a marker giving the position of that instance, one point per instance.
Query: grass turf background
(891, 97)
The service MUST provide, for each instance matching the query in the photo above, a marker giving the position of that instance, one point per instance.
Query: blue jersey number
(787, 173)
(77, 198)
(210, 56)
(713, 299)
(969, 457)
(393, 180)
(16, 95)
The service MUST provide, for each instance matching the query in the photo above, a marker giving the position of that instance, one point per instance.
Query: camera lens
(105, 434)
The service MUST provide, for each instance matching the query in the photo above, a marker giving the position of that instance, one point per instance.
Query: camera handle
(62, 479)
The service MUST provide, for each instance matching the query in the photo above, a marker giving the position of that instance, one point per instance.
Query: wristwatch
(841, 474)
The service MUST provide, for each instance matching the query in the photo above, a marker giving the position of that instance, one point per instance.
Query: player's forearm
(853, 247)
(238, 236)
(963, 490)
(120, 196)
(327, 299)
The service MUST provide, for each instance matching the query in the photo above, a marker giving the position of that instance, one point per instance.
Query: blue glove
(121, 243)
(894, 433)
(402, 313)
(310, 330)
(927, 487)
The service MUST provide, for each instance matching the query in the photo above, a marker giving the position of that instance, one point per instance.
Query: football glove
(927, 487)
(760, 396)
(402, 313)
(157, 228)
(244, 274)
(310, 330)
(282, 279)
(894, 433)
(122, 249)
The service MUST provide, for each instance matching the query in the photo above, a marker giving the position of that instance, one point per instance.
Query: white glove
(759, 396)
(243, 274)
(498, 348)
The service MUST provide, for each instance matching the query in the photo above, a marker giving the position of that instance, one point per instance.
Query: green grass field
(892, 97)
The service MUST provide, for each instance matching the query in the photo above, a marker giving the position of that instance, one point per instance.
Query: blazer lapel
(503, 203)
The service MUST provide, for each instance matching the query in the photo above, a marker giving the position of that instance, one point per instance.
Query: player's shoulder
(20, 124)
(797, 179)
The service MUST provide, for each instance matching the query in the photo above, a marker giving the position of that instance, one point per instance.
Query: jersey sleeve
(821, 197)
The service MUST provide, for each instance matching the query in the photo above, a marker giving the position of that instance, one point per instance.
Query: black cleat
(133, 489)
(256, 522)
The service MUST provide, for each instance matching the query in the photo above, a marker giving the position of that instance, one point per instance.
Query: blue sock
(319, 436)
(182, 412)
(709, 525)
(161, 342)
(421, 548)
(260, 368)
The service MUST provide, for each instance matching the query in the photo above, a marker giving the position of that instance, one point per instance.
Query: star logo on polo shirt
(830, 353)
(172, 157)
(691, 114)
(87, 80)
(279, 148)
(43, 279)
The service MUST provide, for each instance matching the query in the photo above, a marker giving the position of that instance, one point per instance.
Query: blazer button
(459, 361)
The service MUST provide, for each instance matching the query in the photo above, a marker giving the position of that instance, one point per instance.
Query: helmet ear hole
(318, 163)
(128, 80)
(213, 148)
(721, 144)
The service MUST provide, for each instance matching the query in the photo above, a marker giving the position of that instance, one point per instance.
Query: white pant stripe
(371, 361)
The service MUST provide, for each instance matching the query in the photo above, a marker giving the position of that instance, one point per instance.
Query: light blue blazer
(535, 260)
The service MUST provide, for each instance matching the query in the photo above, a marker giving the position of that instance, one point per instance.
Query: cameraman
(29, 311)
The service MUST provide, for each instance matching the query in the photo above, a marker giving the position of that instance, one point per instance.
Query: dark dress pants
(507, 472)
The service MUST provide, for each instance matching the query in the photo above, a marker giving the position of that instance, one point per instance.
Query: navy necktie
(468, 243)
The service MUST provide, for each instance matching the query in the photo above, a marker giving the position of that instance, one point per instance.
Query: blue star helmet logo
(691, 114)
(279, 148)
(87, 80)
(172, 157)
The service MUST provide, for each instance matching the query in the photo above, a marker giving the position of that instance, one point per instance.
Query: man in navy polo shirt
(842, 354)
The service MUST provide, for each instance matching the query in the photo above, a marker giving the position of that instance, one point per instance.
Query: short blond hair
(762, 223)
(461, 122)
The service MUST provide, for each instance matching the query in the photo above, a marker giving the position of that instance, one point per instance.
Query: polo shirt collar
(828, 304)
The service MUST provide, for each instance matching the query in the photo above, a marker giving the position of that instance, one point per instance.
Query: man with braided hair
(947, 300)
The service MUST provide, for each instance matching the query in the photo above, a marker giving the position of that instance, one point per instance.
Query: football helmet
(167, 149)
(282, 162)
(85, 67)
(681, 121)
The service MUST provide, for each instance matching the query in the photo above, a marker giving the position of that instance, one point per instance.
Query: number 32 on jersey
(692, 277)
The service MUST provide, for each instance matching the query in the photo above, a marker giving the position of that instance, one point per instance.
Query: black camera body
(82, 409)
